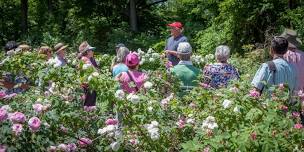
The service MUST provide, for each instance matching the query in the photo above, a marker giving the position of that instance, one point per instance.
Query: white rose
(95, 74)
(151, 59)
(90, 78)
(227, 103)
(236, 109)
(154, 123)
(74, 62)
(148, 85)
(155, 55)
(190, 121)
(150, 50)
(115, 146)
(86, 66)
(150, 109)
(133, 98)
(120, 94)
(102, 131)
(154, 136)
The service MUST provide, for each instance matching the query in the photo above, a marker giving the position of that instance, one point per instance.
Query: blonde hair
(122, 52)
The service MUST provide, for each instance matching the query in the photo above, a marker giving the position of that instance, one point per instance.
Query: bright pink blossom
(17, 129)
(3, 114)
(17, 117)
(298, 126)
(84, 142)
(254, 93)
(284, 108)
(205, 85)
(111, 121)
(34, 124)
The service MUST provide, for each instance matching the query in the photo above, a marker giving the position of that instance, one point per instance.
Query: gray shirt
(172, 44)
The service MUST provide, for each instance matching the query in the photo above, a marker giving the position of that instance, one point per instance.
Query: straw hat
(292, 38)
(60, 46)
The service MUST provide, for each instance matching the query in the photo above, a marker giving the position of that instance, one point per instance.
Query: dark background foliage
(142, 23)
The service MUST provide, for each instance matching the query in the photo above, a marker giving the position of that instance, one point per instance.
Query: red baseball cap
(176, 25)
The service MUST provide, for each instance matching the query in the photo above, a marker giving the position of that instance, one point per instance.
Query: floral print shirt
(218, 75)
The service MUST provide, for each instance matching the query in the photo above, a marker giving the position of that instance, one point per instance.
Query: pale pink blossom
(3, 114)
(34, 124)
(111, 121)
(296, 114)
(181, 123)
(84, 142)
(192, 105)
(38, 107)
(3, 148)
(17, 117)
(205, 85)
(63, 147)
(298, 126)
(284, 108)
(72, 147)
(17, 129)
(169, 64)
(234, 89)
(89, 108)
(207, 149)
(281, 86)
(52, 149)
(63, 129)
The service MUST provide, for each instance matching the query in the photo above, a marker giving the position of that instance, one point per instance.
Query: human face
(90, 53)
(175, 31)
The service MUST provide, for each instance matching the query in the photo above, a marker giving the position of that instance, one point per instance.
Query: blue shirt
(172, 44)
(117, 69)
(285, 73)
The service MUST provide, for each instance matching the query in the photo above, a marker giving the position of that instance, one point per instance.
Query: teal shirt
(117, 69)
(285, 73)
(187, 73)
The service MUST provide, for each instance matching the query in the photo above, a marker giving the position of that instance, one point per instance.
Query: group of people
(284, 68)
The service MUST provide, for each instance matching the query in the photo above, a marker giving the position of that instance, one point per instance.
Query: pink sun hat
(132, 59)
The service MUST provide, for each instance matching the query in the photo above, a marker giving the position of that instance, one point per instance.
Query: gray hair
(122, 52)
(222, 53)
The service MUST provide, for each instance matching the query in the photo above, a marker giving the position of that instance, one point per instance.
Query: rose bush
(51, 117)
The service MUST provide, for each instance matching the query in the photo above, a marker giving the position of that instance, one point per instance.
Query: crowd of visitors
(284, 68)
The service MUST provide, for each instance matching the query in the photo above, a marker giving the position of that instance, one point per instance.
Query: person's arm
(260, 78)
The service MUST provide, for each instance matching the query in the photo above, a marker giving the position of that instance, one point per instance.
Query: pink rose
(63, 129)
(38, 107)
(84, 142)
(192, 105)
(253, 136)
(181, 123)
(295, 114)
(89, 108)
(83, 97)
(3, 114)
(298, 126)
(254, 93)
(2, 148)
(17, 117)
(63, 147)
(17, 129)
(72, 147)
(34, 124)
(207, 149)
(111, 121)
(168, 65)
(301, 94)
(284, 108)
(2, 94)
(205, 85)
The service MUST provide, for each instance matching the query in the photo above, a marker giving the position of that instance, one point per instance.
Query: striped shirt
(285, 73)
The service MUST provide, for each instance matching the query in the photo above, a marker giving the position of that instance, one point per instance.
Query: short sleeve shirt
(126, 82)
(172, 44)
(285, 73)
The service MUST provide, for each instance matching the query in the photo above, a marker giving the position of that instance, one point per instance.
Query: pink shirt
(125, 81)
(296, 58)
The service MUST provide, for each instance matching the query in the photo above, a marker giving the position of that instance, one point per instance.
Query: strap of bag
(132, 79)
(272, 69)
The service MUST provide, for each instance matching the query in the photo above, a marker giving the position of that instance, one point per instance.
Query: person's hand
(171, 52)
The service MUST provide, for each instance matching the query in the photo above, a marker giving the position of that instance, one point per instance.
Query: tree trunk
(133, 16)
(24, 10)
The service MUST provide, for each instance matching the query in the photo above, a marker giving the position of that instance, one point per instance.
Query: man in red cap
(176, 29)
